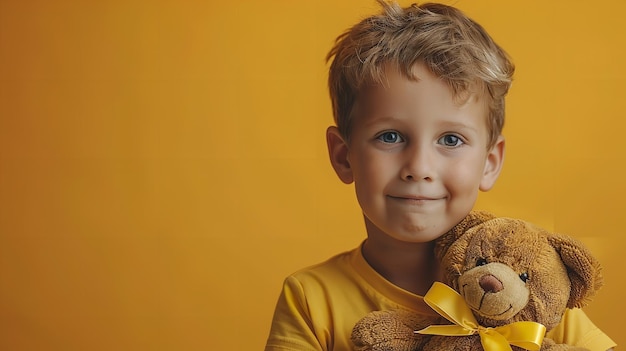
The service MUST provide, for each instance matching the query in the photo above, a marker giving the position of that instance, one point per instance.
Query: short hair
(450, 44)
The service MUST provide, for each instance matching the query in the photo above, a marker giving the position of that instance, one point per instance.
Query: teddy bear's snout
(490, 284)
(494, 290)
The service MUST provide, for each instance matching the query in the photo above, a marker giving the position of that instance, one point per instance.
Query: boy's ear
(338, 152)
(493, 165)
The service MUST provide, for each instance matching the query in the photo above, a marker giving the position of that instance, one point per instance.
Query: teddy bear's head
(509, 270)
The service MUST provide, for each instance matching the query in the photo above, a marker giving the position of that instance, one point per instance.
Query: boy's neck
(410, 266)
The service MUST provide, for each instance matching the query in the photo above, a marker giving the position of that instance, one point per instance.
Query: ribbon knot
(448, 303)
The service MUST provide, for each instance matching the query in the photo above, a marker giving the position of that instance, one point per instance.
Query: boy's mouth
(414, 198)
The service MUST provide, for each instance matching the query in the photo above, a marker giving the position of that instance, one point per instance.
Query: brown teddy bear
(507, 270)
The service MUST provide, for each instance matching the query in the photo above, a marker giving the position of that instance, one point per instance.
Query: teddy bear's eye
(481, 262)
(524, 277)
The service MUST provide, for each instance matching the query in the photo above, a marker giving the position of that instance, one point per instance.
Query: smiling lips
(415, 199)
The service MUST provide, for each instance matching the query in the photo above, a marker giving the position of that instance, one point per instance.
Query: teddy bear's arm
(392, 330)
(549, 345)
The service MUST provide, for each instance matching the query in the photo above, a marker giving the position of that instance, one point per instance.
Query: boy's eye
(390, 137)
(450, 140)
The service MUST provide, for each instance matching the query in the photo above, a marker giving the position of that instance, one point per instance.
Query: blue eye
(390, 137)
(450, 140)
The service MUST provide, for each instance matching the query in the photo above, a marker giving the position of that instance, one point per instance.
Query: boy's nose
(418, 165)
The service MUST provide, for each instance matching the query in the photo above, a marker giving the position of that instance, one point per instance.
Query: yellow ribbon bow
(448, 303)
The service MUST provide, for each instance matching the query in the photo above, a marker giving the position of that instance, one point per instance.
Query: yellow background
(163, 163)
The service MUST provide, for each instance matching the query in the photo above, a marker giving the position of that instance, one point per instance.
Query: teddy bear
(507, 271)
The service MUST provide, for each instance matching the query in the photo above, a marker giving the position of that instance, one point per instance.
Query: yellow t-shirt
(320, 305)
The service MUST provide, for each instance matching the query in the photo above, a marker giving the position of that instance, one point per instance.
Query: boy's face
(417, 156)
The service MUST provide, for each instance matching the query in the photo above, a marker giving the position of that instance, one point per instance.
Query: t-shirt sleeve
(576, 329)
(292, 328)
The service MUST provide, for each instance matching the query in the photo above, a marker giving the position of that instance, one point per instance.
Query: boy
(418, 99)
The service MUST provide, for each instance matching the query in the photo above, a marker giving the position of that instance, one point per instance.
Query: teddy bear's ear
(583, 269)
(473, 219)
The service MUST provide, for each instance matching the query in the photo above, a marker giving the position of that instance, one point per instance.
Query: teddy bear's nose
(491, 284)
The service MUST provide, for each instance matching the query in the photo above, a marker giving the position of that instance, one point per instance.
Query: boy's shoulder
(577, 329)
(338, 264)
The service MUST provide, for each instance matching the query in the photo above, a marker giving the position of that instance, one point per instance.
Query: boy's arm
(292, 327)
(577, 329)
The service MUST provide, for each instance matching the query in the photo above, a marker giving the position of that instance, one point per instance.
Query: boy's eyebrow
(459, 125)
(373, 121)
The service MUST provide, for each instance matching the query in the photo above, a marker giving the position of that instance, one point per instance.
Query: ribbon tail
(525, 334)
(446, 330)
(493, 341)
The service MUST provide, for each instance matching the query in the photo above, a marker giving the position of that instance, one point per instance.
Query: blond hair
(451, 45)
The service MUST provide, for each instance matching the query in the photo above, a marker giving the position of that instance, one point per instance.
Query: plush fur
(507, 270)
